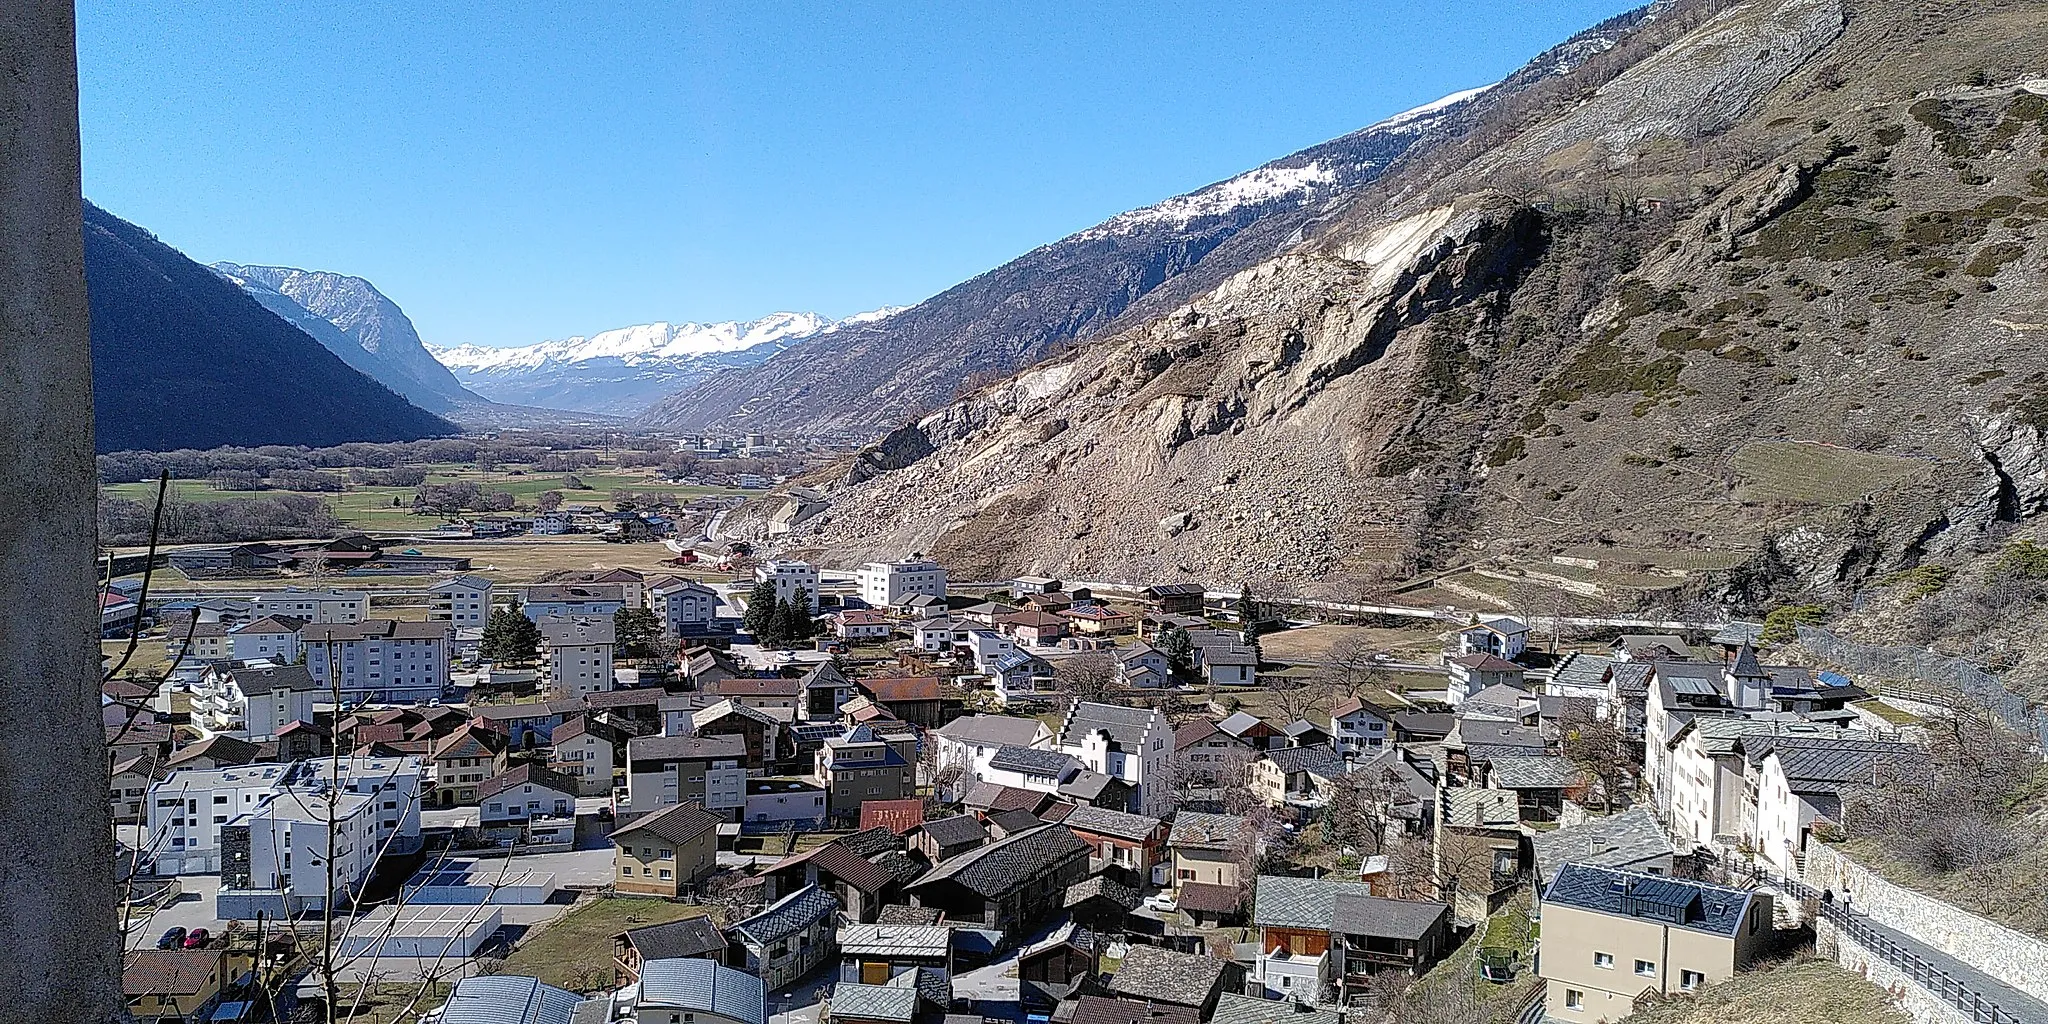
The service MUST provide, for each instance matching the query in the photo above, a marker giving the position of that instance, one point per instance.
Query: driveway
(590, 868)
(192, 909)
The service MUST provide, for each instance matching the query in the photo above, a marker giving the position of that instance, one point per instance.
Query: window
(1689, 980)
(1605, 961)
(1574, 999)
(1646, 968)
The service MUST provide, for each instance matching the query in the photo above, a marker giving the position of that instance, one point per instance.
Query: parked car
(172, 939)
(196, 938)
(1161, 902)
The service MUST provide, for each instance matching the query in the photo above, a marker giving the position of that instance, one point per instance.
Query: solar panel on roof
(1693, 685)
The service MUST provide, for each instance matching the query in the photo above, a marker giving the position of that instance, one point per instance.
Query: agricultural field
(1817, 473)
(365, 507)
(1310, 643)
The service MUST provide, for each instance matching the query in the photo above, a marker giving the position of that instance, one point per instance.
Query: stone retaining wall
(1925, 1006)
(2017, 959)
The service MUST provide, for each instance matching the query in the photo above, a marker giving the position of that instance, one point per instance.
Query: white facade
(579, 656)
(988, 646)
(970, 741)
(312, 605)
(781, 800)
(252, 701)
(288, 846)
(887, 584)
(382, 661)
(524, 802)
(395, 782)
(464, 601)
(188, 807)
(1132, 744)
(683, 608)
(265, 640)
(789, 577)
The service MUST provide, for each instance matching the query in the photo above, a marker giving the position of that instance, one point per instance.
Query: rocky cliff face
(1762, 280)
(863, 381)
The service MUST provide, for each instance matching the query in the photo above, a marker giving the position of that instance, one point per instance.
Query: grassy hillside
(1798, 992)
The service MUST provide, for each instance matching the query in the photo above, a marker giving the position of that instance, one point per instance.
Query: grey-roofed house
(1610, 937)
(508, 999)
(1130, 744)
(1011, 885)
(878, 954)
(698, 936)
(1632, 841)
(1165, 977)
(1800, 780)
(1101, 904)
(1237, 1008)
(1204, 848)
(710, 992)
(1296, 956)
(1129, 844)
(1297, 776)
(790, 938)
(1371, 934)
(946, 838)
(1539, 783)
(882, 1004)
(1056, 967)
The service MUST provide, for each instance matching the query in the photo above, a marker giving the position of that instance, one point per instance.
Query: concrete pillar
(59, 960)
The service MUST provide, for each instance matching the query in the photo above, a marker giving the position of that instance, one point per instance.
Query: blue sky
(513, 172)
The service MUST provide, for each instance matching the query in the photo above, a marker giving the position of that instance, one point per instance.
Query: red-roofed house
(898, 816)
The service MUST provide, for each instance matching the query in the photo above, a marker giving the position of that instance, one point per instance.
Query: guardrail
(1925, 973)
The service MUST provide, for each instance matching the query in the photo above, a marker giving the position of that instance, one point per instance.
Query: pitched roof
(900, 688)
(1102, 887)
(1281, 902)
(1355, 914)
(1213, 899)
(1616, 841)
(1685, 904)
(1126, 726)
(526, 773)
(1194, 732)
(956, 830)
(744, 686)
(170, 972)
(678, 825)
(856, 1001)
(220, 748)
(926, 939)
(1581, 670)
(1317, 759)
(691, 936)
(859, 872)
(1031, 761)
(698, 984)
(789, 915)
(898, 816)
(1533, 773)
(1101, 1010)
(267, 678)
(509, 999)
(1485, 663)
(1234, 1008)
(680, 748)
(994, 796)
(1105, 822)
(1194, 830)
(1162, 975)
(1003, 866)
(1237, 723)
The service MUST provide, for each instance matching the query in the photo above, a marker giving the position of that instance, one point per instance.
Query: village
(795, 794)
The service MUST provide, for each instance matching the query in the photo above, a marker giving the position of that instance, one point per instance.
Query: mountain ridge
(621, 371)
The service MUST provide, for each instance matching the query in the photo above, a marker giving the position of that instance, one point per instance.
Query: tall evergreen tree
(510, 636)
(760, 608)
(638, 632)
(801, 627)
(1179, 649)
(1248, 615)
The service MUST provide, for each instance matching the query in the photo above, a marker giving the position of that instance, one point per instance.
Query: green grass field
(371, 508)
(575, 950)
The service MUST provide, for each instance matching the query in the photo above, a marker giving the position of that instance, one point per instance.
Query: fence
(1911, 664)
(1923, 972)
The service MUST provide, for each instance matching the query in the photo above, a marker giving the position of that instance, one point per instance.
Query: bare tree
(1085, 676)
(1293, 697)
(1598, 747)
(1351, 667)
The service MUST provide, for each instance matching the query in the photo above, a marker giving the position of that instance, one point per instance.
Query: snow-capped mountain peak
(627, 368)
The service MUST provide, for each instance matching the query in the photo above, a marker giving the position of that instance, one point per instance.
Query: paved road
(1994, 992)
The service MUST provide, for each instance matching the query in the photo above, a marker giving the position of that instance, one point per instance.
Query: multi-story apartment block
(685, 607)
(187, 809)
(790, 577)
(274, 856)
(381, 660)
(268, 638)
(253, 700)
(662, 771)
(888, 584)
(591, 601)
(578, 654)
(464, 601)
(321, 606)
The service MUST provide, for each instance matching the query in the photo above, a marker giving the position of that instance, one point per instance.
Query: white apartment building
(1132, 744)
(312, 605)
(888, 584)
(968, 742)
(252, 700)
(265, 639)
(595, 600)
(789, 577)
(188, 807)
(683, 606)
(578, 654)
(464, 601)
(274, 856)
(380, 660)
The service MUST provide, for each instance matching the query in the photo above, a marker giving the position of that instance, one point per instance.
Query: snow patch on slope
(661, 342)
